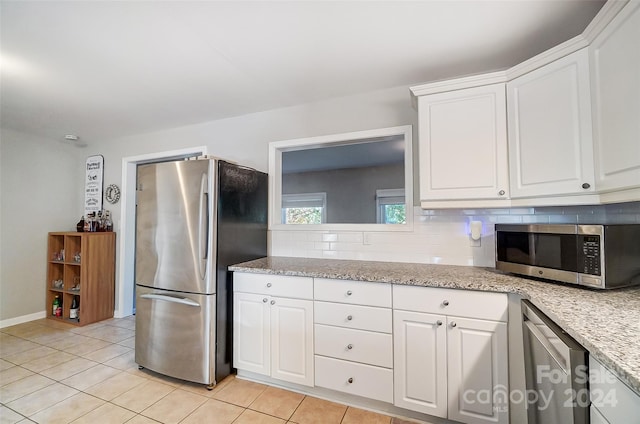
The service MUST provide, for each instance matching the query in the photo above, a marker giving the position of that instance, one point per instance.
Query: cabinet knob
(501, 193)
(445, 303)
(349, 346)
(350, 380)
(265, 300)
(453, 324)
(273, 302)
(349, 292)
(268, 284)
(349, 318)
(586, 186)
(439, 322)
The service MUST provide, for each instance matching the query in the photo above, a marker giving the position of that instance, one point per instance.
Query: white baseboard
(24, 318)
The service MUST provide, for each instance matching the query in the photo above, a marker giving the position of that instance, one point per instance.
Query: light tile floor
(52, 372)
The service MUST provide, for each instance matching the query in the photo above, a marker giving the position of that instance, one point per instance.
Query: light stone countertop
(606, 323)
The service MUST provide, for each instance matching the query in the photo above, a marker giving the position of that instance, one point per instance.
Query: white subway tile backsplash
(535, 219)
(330, 237)
(439, 236)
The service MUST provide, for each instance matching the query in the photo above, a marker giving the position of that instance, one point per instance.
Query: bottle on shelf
(87, 223)
(108, 223)
(80, 225)
(57, 307)
(74, 312)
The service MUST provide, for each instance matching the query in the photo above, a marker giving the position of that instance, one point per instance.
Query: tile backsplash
(440, 236)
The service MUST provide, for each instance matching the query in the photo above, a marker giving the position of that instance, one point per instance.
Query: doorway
(125, 284)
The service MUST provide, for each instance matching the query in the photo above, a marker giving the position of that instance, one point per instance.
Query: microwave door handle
(532, 249)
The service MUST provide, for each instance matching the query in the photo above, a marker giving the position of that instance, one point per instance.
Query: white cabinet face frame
(550, 132)
(463, 144)
(615, 84)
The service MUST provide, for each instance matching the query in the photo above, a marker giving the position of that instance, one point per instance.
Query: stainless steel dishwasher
(556, 371)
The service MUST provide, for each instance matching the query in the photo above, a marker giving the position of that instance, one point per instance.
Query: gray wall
(351, 193)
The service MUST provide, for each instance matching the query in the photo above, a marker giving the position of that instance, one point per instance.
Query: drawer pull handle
(265, 300)
(445, 303)
(453, 324)
(349, 346)
(349, 292)
(268, 284)
(501, 193)
(350, 380)
(273, 302)
(349, 318)
(439, 322)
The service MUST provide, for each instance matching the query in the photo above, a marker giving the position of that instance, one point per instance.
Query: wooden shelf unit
(90, 276)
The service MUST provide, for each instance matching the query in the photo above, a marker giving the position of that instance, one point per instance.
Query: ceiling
(105, 69)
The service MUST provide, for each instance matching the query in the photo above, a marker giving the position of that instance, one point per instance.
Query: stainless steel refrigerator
(194, 218)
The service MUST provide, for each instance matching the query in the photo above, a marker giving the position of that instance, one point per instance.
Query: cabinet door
(615, 69)
(292, 340)
(550, 134)
(420, 362)
(478, 371)
(251, 333)
(463, 144)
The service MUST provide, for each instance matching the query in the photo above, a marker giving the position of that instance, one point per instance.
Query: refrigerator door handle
(181, 300)
(203, 228)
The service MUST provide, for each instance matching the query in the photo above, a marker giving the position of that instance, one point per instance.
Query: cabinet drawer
(356, 379)
(612, 397)
(353, 292)
(354, 345)
(353, 316)
(463, 303)
(273, 285)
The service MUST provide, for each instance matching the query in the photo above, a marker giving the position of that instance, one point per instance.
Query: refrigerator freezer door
(175, 334)
(173, 232)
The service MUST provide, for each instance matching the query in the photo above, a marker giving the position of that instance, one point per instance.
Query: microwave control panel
(589, 256)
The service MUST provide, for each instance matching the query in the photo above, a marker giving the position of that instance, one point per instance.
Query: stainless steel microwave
(598, 256)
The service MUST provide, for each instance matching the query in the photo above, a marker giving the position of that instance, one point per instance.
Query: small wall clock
(112, 194)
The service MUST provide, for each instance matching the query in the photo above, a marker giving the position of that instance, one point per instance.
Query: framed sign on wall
(93, 184)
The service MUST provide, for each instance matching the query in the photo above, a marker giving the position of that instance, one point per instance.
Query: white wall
(39, 186)
(245, 139)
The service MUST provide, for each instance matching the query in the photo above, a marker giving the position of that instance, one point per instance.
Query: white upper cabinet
(550, 135)
(463, 144)
(615, 84)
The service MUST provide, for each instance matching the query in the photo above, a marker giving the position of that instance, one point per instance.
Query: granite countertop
(606, 323)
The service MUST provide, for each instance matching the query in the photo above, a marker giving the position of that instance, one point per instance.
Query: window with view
(304, 208)
(390, 206)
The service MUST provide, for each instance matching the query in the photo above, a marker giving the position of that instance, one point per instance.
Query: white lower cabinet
(477, 370)
(353, 340)
(435, 351)
(355, 378)
(451, 366)
(420, 366)
(612, 402)
(273, 335)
